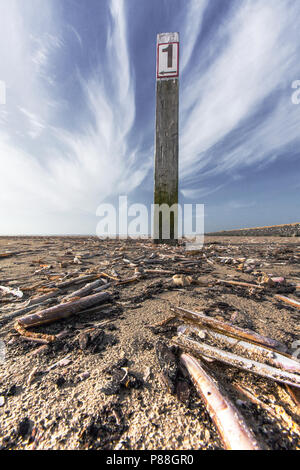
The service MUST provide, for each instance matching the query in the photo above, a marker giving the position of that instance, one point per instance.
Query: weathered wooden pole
(165, 224)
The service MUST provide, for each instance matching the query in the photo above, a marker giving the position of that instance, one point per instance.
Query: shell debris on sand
(105, 367)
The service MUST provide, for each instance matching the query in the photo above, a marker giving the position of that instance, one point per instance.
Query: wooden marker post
(165, 226)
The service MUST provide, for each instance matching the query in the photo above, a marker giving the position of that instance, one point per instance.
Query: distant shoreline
(284, 230)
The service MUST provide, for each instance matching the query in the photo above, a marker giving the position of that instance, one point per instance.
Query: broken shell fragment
(230, 424)
(181, 280)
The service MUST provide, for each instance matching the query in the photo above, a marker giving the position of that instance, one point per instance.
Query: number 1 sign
(168, 56)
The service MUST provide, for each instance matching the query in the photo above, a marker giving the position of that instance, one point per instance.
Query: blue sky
(78, 125)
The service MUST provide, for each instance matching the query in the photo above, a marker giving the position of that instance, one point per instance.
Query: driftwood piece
(108, 276)
(78, 280)
(8, 254)
(45, 347)
(129, 280)
(230, 424)
(287, 300)
(59, 312)
(11, 316)
(101, 288)
(10, 279)
(84, 291)
(240, 284)
(273, 358)
(35, 286)
(200, 318)
(295, 395)
(158, 271)
(200, 349)
(62, 362)
(38, 337)
(42, 298)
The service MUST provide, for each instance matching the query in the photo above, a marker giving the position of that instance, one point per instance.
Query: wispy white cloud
(102, 163)
(79, 169)
(76, 34)
(236, 205)
(259, 53)
(36, 125)
(192, 27)
(199, 192)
